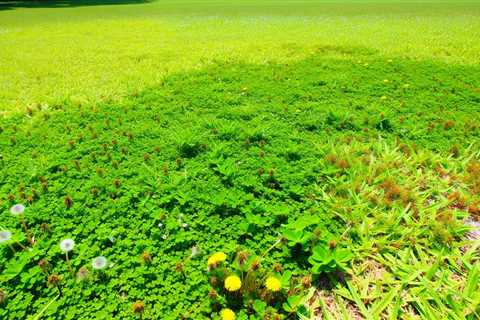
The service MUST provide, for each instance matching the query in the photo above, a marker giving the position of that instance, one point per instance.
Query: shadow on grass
(6, 5)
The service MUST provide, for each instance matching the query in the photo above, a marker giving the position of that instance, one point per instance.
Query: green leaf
(259, 307)
(14, 267)
(293, 302)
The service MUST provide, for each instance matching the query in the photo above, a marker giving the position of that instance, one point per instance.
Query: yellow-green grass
(97, 50)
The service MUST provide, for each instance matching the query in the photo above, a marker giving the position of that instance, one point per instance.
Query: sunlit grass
(90, 53)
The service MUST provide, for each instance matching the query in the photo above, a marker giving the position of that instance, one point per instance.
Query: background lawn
(336, 144)
(98, 50)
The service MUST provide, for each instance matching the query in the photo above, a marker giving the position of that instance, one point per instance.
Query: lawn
(274, 159)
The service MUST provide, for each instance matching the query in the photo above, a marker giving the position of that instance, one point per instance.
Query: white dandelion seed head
(5, 236)
(17, 209)
(195, 251)
(99, 263)
(67, 245)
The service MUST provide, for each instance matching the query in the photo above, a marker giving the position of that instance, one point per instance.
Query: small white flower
(67, 245)
(164, 237)
(17, 209)
(5, 236)
(184, 225)
(195, 251)
(99, 263)
(160, 225)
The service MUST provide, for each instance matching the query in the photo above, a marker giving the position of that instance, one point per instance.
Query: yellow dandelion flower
(273, 284)
(233, 283)
(217, 258)
(227, 314)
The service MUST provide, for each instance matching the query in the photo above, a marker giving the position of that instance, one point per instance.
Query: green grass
(298, 132)
(89, 53)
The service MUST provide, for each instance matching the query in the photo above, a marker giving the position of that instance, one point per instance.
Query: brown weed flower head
(332, 244)
(179, 267)
(54, 280)
(242, 257)
(44, 265)
(82, 274)
(146, 257)
(212, 294)
(307, 282)
(255, 265)
(214, 281)
(45, 227)
(277, 267)
(138, 307)
(68, 201)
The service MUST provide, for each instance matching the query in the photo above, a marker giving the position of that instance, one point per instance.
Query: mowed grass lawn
(91, 51)
(328, 152)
